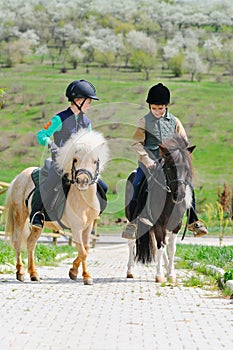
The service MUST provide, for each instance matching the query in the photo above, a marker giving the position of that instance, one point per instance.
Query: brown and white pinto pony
(169, 188)
(82, 158)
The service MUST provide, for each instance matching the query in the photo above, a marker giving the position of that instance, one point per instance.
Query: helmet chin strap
(80, 107)
(80, 111)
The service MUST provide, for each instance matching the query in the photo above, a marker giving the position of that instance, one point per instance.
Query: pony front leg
(159, 273)
(171, 256)
(130, 266)
(82, 257)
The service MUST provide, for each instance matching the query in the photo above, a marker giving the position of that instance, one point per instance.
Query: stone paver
(112, 314)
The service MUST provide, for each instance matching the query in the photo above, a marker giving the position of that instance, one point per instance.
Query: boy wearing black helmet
(80, 94)
(153, 129)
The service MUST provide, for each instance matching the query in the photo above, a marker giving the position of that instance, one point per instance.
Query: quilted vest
(70, 125)
(157, 131)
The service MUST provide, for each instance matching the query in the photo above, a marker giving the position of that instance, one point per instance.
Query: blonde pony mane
(85, 142)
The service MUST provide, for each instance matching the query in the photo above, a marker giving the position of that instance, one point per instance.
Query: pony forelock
(85, 142)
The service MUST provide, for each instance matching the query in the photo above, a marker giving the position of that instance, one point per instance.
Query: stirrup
(39, 222)
(130, 231)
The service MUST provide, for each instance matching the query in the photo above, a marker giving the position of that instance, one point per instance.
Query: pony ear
(191, 148)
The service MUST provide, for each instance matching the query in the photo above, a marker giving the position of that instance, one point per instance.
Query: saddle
(58, 199)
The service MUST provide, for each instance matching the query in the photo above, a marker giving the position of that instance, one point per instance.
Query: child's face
(158, 110)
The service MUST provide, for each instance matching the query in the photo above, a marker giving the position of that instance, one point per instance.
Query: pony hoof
(35, 279)
(20, 277)
(88, 281)
(72, 276)
(130, 275)
(159, 279)
(172, 279)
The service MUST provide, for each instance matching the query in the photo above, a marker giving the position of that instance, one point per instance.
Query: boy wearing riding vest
(152, 129)
(80, 94)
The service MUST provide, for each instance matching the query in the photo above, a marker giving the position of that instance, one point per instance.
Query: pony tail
(145, 244)
(7, 216)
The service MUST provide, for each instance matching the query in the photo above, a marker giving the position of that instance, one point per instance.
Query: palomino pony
(167, 193)
(81, 158)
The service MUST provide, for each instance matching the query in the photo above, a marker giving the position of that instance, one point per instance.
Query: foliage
(228, 275)
(44, 254)
(2, 97)
(114, 28)
(218, 256)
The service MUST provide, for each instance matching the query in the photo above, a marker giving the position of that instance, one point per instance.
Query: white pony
(81, 158)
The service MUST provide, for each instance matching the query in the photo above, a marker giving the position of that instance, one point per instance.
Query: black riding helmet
(81, 88)
(158, 95)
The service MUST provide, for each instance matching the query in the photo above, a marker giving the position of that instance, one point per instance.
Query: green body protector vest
(157, 131)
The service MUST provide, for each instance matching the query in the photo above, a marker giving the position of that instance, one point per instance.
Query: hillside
(36, 93)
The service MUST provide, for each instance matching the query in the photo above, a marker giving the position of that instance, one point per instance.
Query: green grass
(218, 256)
(45, 255)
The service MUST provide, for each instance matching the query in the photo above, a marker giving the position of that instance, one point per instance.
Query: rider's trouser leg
(103, 185)
(138, 180)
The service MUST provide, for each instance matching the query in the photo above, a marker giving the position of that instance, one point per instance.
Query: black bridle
(160, 166)
(76, 173)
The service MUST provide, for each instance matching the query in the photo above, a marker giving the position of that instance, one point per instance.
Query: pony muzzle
(83, 180)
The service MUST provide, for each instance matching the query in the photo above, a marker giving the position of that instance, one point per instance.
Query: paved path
(114, 313)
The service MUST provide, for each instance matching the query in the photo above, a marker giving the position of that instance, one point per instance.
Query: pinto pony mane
(177, 148)
(83, 144)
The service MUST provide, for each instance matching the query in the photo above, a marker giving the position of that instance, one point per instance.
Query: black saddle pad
(59, 200)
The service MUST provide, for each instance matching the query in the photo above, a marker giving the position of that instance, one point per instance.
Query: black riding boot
(36, 216)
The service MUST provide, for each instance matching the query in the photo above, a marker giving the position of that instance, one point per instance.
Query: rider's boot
(36, 216)
(196, 225)
(130, 231)
(198, 228)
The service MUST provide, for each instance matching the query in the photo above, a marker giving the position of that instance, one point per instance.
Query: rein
(165, 187)
(76, 173)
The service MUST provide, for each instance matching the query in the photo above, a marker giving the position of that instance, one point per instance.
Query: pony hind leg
(18, 241)
(31, 245)
(130, 265)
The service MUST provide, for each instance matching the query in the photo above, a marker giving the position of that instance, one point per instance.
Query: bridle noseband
(76, 173)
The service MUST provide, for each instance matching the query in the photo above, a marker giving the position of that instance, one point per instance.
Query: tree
(143, 51)
(193, 64)
(75, 55)
(227, 58)
(212, 49)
